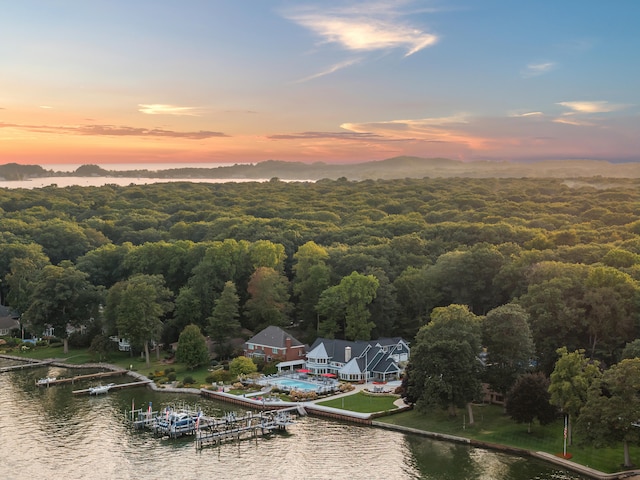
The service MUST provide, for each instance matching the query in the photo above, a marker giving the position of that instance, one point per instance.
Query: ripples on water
(50, 433)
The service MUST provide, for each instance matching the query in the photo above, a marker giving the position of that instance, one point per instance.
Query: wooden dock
(117, 386)
(90, 376)
(27, 364)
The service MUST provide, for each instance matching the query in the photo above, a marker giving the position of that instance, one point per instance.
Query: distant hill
(391, 168)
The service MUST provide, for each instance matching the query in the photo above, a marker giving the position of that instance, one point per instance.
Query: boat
(177, 422)
(46, 380)
(100, 389)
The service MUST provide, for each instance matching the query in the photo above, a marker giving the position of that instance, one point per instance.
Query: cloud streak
(593, 107)
(332, 69)
(115, 131)
(536, 69)
(161, 109)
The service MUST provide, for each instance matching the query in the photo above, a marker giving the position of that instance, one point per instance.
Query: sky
(236, 81)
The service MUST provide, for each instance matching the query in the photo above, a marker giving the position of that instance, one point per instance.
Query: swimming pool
(294, 384)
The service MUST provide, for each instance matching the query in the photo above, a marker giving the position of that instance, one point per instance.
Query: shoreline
(349, 416)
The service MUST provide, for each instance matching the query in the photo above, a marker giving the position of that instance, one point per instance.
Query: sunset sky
(233, 81)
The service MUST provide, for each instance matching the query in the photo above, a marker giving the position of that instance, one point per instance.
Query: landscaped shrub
(219, 376)
(188, 380)
(171, 376)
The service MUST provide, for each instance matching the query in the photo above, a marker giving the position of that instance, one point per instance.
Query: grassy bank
(493, 426)
(361, 402)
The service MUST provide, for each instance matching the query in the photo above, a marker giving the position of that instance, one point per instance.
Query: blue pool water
(295, 384)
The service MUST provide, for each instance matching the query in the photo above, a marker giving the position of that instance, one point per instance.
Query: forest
(566, 251)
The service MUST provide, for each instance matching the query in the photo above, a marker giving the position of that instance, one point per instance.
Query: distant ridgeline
(392, 168)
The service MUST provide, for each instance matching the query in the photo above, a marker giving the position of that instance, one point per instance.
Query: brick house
(275, 344)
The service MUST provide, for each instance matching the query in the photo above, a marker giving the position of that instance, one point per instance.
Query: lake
(51, 433)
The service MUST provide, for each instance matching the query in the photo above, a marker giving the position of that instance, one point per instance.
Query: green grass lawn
(493, 426)
(363, 403)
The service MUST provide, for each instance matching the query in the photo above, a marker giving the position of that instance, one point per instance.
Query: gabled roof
(273, 336)
(335, 348)
(7, 318)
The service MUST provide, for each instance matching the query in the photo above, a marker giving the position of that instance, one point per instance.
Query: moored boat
(100, 389)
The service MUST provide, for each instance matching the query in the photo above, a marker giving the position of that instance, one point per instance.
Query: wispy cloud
(326, 135)
(380, 28)
(46, 107)
(161, 109)
(593, 107)
(527, 114)
(114, 131)
(332, 69)
(535, 69)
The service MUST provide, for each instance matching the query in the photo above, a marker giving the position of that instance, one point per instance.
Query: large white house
(377, 360)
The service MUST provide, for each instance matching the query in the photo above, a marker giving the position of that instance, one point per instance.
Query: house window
(275, 351)
(251, 346)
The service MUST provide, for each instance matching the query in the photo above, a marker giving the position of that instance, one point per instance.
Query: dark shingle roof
(274, 337)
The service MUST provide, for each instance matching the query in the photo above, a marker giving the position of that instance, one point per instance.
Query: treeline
(337, 258)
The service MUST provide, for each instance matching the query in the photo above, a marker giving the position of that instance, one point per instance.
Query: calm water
(50, 433)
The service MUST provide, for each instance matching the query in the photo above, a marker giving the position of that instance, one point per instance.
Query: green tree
(570, 381)
(528, 399)
(612, 410)
(192, 347)
(142, 302)
(507, 337)
(269, 299)
(101, 347)
(345, 306)
(311, 278)
(224, 320)
(444, 366)
(632, 349)
(62, 296)
(242, 366)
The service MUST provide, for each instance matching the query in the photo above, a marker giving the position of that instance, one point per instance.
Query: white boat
(46, 380)
(100, 389)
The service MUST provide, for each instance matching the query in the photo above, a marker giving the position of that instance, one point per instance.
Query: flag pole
(566, 424)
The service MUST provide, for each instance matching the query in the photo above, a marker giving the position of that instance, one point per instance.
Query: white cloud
(160, 109)
(535, 69)
(527, 114)
(367, 27)
(47, 107)
(593, 107)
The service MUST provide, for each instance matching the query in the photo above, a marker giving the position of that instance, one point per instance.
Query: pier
(27, 364)
(116, 386)
(90, 376)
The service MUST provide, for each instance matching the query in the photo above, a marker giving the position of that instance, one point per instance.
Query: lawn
(493, 426)
(363, 403)
(120, 359)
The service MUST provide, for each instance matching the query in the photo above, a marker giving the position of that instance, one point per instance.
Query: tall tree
(311, 278)
(62, 296)
(445, 368)
(346, 306)
(269, 299)
(142, 302)
(570, 381)
(224, 320)
(507, 338)
(612, 410)
(192, 347)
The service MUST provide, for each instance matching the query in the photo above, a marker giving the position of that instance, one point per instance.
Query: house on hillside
(8, 321)
(274, 343)
(377, 360)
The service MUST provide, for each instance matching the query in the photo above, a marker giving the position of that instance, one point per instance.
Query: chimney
(287, 343)
(347, 354)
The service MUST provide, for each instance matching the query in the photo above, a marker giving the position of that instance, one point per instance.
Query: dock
(90, 376)
(117, 386)
(211, 431)
(27, 364)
